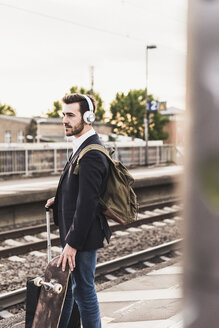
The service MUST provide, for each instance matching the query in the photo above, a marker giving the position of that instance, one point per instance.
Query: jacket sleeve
(92, 169)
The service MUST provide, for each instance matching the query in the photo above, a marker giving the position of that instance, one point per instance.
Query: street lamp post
(146, 119)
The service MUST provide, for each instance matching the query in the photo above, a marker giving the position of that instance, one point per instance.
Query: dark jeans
(82, 288)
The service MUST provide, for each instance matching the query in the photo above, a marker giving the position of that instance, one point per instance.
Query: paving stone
(174, 269)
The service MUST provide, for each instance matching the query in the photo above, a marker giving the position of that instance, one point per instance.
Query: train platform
(150, 301)
(15, 186)
(22, 199)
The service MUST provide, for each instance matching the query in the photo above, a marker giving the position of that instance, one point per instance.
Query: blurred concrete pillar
(201, 288)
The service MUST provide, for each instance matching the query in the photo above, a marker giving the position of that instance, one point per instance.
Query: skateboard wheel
(38, 281)
(57, 288)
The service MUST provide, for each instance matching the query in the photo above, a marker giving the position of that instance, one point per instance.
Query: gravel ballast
(14, 274)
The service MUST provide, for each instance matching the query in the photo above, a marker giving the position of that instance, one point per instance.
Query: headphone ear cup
(89, 117)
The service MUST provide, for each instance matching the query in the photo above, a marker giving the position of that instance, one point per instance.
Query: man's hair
(78, 98)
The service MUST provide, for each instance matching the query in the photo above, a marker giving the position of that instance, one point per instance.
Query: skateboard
(52, 295)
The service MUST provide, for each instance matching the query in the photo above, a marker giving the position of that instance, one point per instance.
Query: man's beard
(74, 130)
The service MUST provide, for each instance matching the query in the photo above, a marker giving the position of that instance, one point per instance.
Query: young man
(77, 212)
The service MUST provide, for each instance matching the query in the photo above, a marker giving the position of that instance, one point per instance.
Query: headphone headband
(90, 104)
(89, 116)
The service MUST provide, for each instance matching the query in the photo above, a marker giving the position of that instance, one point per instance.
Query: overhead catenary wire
(86, 26)
(65, 20)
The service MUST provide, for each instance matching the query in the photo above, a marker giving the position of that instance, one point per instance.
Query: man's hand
(68, 254)
(49, 202)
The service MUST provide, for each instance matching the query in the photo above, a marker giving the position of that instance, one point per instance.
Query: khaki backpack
(119, 202)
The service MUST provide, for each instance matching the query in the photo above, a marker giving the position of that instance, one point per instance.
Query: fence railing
(32, 158)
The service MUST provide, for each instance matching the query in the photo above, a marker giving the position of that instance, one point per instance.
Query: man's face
(72, 120)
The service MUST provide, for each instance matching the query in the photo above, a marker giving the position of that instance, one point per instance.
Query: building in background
(176, 126)
(13, 129)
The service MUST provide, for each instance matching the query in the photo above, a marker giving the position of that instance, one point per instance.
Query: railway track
(18, 296)
(148, 213)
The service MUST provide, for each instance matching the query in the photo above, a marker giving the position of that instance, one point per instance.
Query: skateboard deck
(52, 296)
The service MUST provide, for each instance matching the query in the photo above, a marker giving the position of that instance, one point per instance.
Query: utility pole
(92, 78)
(146, 119)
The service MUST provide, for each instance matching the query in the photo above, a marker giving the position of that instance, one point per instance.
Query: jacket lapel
(92, 139)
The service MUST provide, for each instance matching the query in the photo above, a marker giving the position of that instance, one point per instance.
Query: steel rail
(19, 296)
(20, 232)
(146, 220)
(134, 258)
(39, 245)
(162, 203)
(28, 247)
(12, 298)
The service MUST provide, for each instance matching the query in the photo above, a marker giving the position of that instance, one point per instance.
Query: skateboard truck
(52, 285)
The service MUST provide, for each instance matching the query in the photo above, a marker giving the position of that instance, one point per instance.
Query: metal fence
(52, 157)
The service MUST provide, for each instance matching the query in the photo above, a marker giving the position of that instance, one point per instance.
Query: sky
(48, 46)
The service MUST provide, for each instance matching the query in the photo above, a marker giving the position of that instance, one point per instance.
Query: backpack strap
(87, 149)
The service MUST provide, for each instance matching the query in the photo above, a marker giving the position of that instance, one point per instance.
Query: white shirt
(77, 142)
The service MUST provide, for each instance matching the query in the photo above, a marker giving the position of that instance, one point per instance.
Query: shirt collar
(77, 142)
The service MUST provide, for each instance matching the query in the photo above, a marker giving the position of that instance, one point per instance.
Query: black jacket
(76, 208)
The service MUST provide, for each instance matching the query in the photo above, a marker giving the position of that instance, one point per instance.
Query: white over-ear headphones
(89, 116)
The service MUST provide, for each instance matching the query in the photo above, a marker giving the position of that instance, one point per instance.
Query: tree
(158, 121)
(7, 110)
(128, 112)
(31, 131)
(99, 113)
(56, 111)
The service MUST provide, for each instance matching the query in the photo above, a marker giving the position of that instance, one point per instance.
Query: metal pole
(146, 113)
(48, 234)
(146, 119)
(92, 78)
